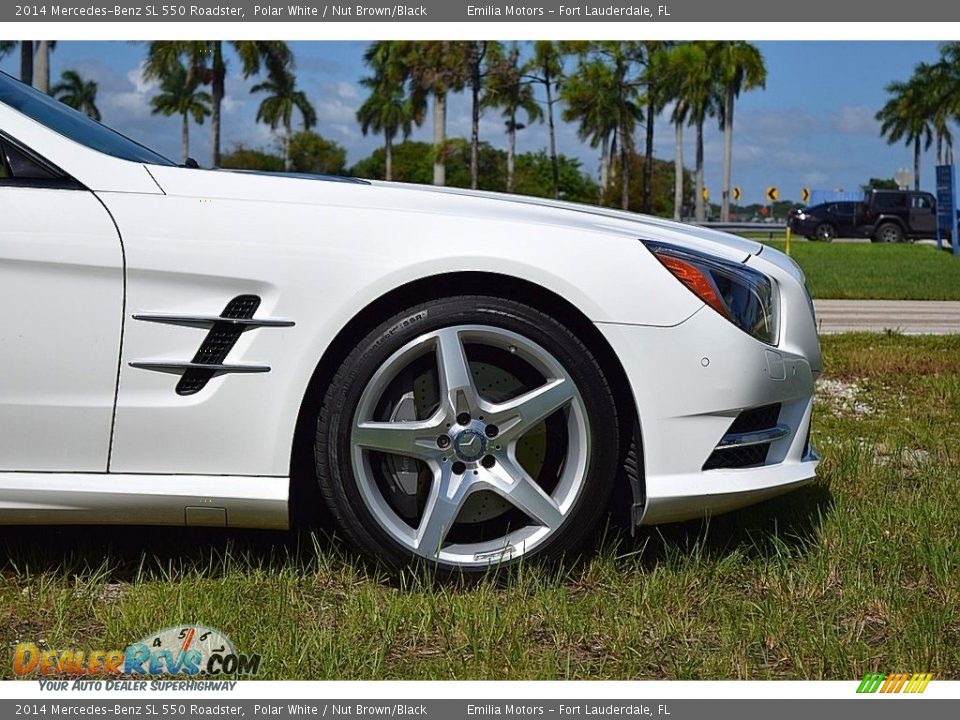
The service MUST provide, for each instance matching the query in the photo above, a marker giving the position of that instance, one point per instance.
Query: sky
(812, 126)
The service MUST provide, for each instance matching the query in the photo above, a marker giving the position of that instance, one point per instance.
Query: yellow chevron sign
(736, 194)
(773, 194)
(805, 195)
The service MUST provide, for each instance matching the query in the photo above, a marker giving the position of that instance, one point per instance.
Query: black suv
(826, 221)
(897, 215)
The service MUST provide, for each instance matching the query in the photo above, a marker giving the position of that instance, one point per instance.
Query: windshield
(73, 124)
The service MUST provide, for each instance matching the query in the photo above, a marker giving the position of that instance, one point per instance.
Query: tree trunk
(554, 162)
(727, 155)
(604, 166)
(41, 74)
(699, 209)
(511, 150)
(26, 61)
(475, 126)
(648, 160)
(916, 164)
(216, 94)
(185, 137)
(388, 156)
(678, 173)
(624, 169)
(439, 138)
(287, 161)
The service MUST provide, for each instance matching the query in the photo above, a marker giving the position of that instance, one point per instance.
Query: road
(911, 317)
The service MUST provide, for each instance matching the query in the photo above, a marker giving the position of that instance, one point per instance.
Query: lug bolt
(463, 419)
(491, 431)
(488, 461)
(459, 468)
(443, 441)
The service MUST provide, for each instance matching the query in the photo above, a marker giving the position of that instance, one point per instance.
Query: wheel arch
(304, 497)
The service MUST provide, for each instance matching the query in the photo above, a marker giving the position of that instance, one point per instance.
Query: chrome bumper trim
(756, 437)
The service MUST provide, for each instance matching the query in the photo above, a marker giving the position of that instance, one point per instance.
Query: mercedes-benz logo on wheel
(470, 445)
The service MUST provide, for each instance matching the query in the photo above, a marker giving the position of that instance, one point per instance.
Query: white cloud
(855, 120)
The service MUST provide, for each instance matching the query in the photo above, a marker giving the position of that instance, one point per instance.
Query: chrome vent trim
(223, 332)
(208, 321)
(178, 368)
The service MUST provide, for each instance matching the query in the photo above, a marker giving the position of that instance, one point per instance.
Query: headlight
(742, 295)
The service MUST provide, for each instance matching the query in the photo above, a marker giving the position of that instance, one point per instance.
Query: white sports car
(466, 376)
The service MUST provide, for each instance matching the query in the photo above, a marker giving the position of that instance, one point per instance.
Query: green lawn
(877, 271)
(855, 573)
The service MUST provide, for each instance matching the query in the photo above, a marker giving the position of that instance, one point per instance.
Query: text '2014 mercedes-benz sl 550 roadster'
(471, 374)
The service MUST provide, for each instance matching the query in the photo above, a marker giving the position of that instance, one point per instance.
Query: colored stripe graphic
(871, 683)
(894, 683)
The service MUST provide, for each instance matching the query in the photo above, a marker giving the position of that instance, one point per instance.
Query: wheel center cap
(470, 445)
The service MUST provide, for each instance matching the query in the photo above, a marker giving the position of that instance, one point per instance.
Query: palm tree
(653, 50)
(78, 93)
(278, 107)
(205, 59)
(740, 67)
(7, 47)
(623, 58)
(938, 87)
(477, 56)
(436, 70)
(689, 81)
(546, 68)
(180, 94)
(590, 96)
(905, 118)
(388, 109)
(508, 90)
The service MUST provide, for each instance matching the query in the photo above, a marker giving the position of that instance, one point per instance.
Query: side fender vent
(223, 332)
(219, 342)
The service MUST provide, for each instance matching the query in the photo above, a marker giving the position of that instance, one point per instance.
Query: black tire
(888, 233)
(826, 232)
(333, 450)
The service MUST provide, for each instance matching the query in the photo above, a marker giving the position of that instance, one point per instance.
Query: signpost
(947, 207)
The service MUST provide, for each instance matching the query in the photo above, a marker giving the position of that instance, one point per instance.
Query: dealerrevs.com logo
(910, 683)
(185, 650)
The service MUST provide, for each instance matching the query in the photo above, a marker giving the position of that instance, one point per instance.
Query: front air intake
(748, 440)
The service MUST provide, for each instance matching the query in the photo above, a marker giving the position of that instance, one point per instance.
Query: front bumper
(691, 381)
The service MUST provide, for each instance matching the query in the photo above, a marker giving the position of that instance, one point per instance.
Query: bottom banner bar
(873, 707)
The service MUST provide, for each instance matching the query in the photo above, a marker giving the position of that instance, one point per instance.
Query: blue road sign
(947, 207)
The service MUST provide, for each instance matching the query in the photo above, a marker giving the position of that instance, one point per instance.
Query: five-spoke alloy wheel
(467, 433)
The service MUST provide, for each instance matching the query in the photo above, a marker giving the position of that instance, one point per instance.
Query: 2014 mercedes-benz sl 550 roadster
(465, 377)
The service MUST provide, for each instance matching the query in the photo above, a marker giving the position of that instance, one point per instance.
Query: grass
(860, 271)
(854, 573)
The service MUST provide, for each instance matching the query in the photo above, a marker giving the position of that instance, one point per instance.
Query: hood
(371, 195)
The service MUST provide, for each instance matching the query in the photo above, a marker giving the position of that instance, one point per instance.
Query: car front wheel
(468, 432)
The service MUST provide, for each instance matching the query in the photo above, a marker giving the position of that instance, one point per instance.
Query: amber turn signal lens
(696, 280)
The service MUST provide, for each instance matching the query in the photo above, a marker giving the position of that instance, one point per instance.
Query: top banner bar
(240, 11)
